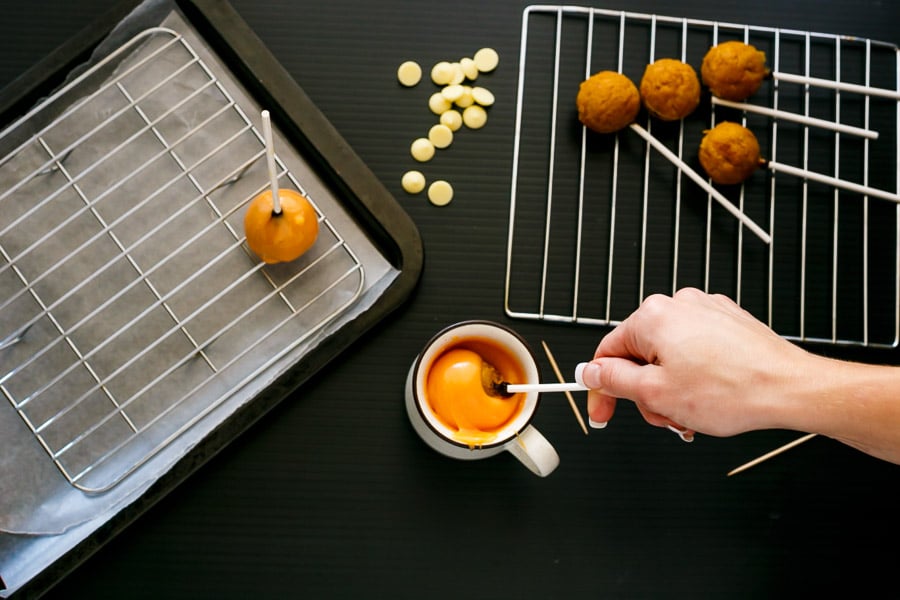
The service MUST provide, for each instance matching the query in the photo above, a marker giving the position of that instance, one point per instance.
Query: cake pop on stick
(730, 154)
(703, 183)
(734, 70)
(280, 224)
(609, 101)
(670, 89)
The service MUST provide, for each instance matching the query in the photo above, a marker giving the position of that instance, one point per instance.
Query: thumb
(615, 377)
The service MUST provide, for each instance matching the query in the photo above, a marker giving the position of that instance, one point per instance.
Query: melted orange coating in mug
(455, 393)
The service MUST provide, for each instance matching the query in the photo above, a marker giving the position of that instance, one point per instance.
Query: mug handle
(534, 451)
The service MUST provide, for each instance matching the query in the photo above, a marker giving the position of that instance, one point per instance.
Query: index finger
(628, 339)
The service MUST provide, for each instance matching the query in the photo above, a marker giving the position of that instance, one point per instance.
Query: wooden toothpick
(562, 379)
(774, 452)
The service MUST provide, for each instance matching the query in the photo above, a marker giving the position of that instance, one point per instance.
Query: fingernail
(597, 424)
(588, 375)
(682, 433)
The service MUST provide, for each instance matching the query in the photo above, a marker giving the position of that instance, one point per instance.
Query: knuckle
(653, 311)
(655, 304)
(722, 299)
(689, 293)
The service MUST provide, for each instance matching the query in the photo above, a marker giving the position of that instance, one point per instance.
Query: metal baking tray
(138, 333)
(597, 223)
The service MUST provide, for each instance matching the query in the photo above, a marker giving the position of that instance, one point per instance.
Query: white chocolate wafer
(422, 150)
(482, 96)
(469, 68)
(486, 59)
(442, 72)
(452, 119)
(474, 117)
(440, 193)
(409, 73)
(413, 182)
(438, 104)
(440, 136)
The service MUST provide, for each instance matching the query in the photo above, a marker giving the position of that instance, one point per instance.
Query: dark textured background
(333, 495)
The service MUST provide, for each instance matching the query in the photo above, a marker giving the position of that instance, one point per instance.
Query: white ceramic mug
(517, 436)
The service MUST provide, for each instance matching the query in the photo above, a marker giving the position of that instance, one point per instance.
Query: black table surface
(332, 494)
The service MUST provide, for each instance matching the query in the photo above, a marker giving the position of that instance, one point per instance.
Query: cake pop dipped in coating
(729, 153)
(733, 70)
(670, 89)
(280, 236)
(280, 224)
(607, 102)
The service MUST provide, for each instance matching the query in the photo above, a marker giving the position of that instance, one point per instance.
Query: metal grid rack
(130, 307)
(597, 223)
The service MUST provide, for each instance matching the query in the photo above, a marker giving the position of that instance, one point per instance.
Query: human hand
(693, 362)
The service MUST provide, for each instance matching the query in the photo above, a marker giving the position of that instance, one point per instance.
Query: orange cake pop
(670, 89)
(730, 153)
(733, 70)
(280, 225)
(280, 236)
(607, 101)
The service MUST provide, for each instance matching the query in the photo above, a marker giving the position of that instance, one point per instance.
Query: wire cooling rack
(130, 307)
(597, 223)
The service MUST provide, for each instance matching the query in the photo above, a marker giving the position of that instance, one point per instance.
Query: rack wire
(130, 306)
(599, 222)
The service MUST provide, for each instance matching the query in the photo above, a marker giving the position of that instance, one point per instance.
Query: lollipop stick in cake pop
(833, 181)
(279, 225)
(836, 85)
(270, 161)
(789, 116)
(702, 182)
(734, 70)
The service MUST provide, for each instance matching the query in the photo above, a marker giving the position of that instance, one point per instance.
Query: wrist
(802, 392)
(852, 402)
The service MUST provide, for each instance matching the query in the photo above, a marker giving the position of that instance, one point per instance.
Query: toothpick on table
(562, 379)
(270, 161)
(774, 452)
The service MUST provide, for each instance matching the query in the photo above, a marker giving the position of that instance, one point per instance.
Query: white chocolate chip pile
(458, 102)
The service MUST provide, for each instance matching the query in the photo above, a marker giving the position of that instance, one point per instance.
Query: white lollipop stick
(270, 161)
(725, 202)
(789, 116)
(833, 181)
(514, 388)
(576, 386)
(837, 85)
